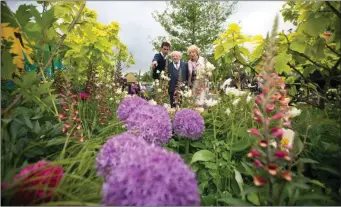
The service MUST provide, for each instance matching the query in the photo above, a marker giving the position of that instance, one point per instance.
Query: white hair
(176, 52)
(193, 48)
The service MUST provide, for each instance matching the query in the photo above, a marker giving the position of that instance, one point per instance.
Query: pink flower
(282, 155)
(84, 95)
(270, 107)
(258, 163)
(277, 116)
(277, 132)
(254, 132)
(253, 153)
(36, 182)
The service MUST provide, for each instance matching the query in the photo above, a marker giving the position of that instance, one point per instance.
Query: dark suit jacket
(161, 64)
(174, 75)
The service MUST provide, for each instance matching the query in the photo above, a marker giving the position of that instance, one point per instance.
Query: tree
(312, 49)
(147, 76)
(193, 22)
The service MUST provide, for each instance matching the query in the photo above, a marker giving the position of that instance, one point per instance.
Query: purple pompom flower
(114, 150)
(152, 177)
(188, 123)
(151, 123)
(128, 106)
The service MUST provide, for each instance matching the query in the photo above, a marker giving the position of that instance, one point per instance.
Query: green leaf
(7, 66)
(36, 127)
(318, 183)
(318, 48)
(219, 51)
(202, 155)
(313, 26)
(329, 169)
(234, 202)
(27, 122)
(47, 19)
(198, 145)
(257, 52)
(253, 198)
(313, 196)
(23, 14)
(307, 160)
(282, 60)
(240, 145)
(298, 44)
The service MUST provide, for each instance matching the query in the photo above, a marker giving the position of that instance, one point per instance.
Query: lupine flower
(151, 123)
(188, 123)
(128, 106)
(114, 150)
(152, 177)
(36, 183)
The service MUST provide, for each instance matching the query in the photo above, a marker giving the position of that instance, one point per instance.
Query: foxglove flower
(151, 123)
(128, 106)
(188, 123)
(152, 177)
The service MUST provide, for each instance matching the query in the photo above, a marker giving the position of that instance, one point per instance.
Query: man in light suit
(176, 69)
(159, 60)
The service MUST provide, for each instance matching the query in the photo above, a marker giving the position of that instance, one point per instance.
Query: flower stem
(187, 147)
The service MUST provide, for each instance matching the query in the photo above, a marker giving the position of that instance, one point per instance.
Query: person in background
(176, 69)
(159, 60)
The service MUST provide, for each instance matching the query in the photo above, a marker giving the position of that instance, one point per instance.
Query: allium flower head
(188, 123)
(84, 95)
(114, 150)
(128, 106)
(151, 123)
(153, 177)
(36, 183)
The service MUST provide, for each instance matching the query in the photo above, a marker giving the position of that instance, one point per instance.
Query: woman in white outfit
(198, 85)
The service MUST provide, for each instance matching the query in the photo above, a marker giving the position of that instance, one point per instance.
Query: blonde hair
(175, 52)
(193, 48)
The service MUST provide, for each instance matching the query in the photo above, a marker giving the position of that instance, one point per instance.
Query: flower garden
(71, 136)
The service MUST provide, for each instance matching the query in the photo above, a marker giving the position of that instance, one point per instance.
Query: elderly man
(176, 69)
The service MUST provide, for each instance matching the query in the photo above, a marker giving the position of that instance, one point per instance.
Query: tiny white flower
(293, 112)
(118, 91)
(157, 71)
(152, 102)
(159, 90)
(228, 112)
(111, 98)
(236, 101)
(248, 99)
(117, 101)
(96, 75)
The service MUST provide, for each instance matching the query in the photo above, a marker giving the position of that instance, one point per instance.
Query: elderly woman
(176, 70)
(195, 63)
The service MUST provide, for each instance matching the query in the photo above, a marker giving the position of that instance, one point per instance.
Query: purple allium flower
(151, 123)
(152, 177)
(188, 123)
(114, 150)
(128, 106)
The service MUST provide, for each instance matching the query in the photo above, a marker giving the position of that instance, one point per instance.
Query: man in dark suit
(176, 69)
(159, 60)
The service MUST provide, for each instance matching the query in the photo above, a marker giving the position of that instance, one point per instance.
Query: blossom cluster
(272, 154)
(69, 115)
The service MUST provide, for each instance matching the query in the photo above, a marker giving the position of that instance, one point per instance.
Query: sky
(138, 27)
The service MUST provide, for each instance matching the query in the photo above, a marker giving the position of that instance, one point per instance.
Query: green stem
(187, 147)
